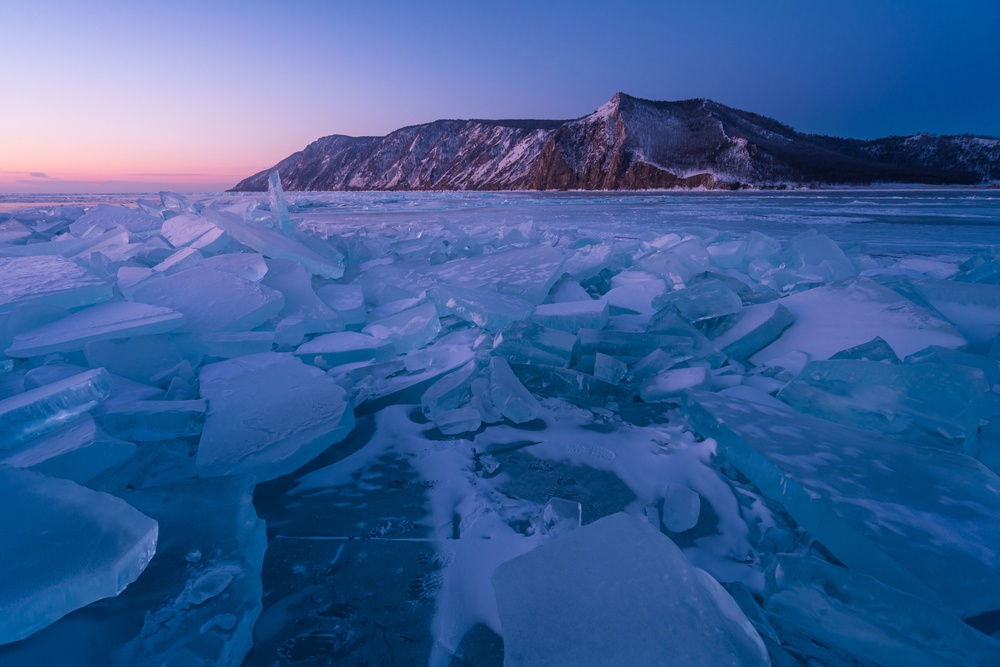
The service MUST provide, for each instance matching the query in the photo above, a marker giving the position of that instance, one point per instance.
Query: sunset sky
(193, 96)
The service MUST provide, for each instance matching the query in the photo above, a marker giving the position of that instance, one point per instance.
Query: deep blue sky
(195, 95)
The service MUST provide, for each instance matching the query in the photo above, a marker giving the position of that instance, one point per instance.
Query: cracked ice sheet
(837, 316)
(647, 459)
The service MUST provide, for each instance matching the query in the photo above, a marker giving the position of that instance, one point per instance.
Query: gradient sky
(107, 96)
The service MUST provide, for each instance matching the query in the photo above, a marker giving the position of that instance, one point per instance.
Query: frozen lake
(500, 428)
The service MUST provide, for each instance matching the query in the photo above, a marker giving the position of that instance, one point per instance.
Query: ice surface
(43, 409)
(936, 405)
(213, 300)
(118, 319)
(485, 309)
(528, 273)
(48, 280)
(837, 615)
(268, 415)
(572, 316)
(618, 592)
(64, 547)
(883, 507)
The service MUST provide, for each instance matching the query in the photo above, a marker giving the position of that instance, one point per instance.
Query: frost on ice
(473, 429)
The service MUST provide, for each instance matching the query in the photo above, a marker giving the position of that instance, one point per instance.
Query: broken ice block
(149, 421)
(838, 616)
(450, 392)
(78, 451)
(274, 245)
(561, 516)
(530, 343)
(746, 332)
(681, 507)
(459, 420)
(923, 520)
(487, 310)
(668, 321)
(38, 411)
(528, 273)
(874, 350)
(618, 592)
(974, 308)
(703, 301)
(118, 319)
(510, 396)
(184, 229)
(142, 358)
(670, 385)
(104, 217)
(609, 369)
(247, 265)
(347, 300)
(213, 300)
(292, 280)
(631, 346)
(822, 326)
(236, 344)
(936, 405)
(344, 347)
(410, 329)
(64, 547)
(576, 387)
(268, 414)
(195, 604)
(572, 316)
(48, 280)
(279, 209)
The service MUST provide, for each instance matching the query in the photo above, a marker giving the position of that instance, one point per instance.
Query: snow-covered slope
(627, 143)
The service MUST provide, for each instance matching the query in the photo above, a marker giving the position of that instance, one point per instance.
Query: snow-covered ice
(486, 428)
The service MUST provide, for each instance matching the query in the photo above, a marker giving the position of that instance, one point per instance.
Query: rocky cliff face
(626, 144)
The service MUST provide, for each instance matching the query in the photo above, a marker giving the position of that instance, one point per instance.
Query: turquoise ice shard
(974, 308)
(344, 347)
(212, 300)
(746, 332)
(226, 345)
(816, 257)
(923, 520)
(274, 245)
(149, 421)
(116, 319)
(49, 280)
(513, 400)
(348, 301)
(629, 346)
(703, 301)
(618, 592)
(668, 386)
(838, 616)
(573, 386)
(488, 310)
(572, 316)
(104, 217)
(609, 369)
(268, 414)
(41, 410)
(530, 343)
(196, 602)
(301, 301)
(78, 451)
(409, 329)
(937, 405)
(681, 508)
(64, 547)
(528, 273)
(279, 208)
(874, 350)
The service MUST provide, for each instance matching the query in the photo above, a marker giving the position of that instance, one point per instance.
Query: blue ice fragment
(923, 520)
(54, 280)
(573, 386)
(488, 310)
(874, 350)
(936, 405)
(78, 451)
(631, 346)
(149, 421)
(974, 308)
(348, 301)
(344, 347)
(513, 400)
(301, 301)
(704, 301)
(279, 209)
(752, 329)
(609, 369)
(838, 616)
(409, 329)
(528, 273)
(43, 409)
(530, 343)
(572, 316)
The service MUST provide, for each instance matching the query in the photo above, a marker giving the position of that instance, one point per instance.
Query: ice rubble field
(233, 433)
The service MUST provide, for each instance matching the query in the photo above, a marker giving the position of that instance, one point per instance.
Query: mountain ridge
(628, 143)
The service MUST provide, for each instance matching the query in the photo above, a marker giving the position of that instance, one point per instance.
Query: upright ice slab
(279, 209)
(44, 409)
(836, 616)
(923, 520)
(118, 319)
(268, 414)
(618, 592)
(48, 280)
(487, 310)
(64, 547)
